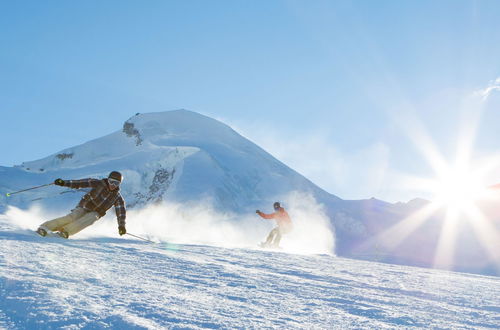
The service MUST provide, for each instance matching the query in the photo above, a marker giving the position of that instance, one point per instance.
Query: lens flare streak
(457, 187)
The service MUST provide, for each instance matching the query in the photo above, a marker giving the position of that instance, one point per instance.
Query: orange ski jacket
(281, 216)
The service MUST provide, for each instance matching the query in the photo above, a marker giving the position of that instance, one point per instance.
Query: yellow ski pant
(73, 222)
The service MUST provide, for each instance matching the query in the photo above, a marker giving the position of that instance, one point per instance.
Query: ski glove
(122, 230)
(59, 182)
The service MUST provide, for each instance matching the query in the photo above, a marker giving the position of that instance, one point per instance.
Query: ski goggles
(114, 182)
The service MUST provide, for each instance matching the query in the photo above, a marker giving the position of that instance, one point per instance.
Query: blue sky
(332, 88)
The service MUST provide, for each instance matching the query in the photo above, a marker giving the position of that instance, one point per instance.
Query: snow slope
(101, 282)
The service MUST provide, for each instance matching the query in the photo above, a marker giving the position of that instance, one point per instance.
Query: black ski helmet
(115, 175)
(276, 205)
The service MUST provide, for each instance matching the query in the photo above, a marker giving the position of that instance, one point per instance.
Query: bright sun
(458, 189)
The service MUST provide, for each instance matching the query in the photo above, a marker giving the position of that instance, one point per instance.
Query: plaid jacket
(100, 198)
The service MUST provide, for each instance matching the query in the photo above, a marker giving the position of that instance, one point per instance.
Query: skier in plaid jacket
(104, 194)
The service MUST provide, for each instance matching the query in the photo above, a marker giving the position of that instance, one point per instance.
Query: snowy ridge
(100, 282)
(177, 155)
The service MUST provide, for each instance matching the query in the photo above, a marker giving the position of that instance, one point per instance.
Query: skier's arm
(266, 216)
(83, 183)
(121, 212)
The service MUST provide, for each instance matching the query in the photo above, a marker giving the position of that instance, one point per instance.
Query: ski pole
(62, 192)
(20, 191)
(144, 239)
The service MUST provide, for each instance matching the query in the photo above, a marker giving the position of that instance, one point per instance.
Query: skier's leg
(277, 238)
(84, 221)
(271, 235)
(58, 223)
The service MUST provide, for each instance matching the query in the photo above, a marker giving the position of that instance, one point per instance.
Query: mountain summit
(177, 155)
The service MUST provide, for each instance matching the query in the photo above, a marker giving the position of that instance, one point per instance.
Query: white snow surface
(96, 281)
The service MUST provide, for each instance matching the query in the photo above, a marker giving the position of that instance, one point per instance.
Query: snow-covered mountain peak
(180, 155)
(148, 132)
(178, 124)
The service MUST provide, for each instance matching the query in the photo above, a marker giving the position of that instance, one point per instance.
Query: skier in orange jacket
(284, 225)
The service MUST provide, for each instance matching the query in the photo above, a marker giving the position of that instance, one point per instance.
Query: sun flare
(461, 187)
(458, 189)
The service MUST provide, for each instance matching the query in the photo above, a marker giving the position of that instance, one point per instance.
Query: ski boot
(62, 234)
(42, 231)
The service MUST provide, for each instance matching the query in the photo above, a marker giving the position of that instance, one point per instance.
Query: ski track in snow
(123, 283)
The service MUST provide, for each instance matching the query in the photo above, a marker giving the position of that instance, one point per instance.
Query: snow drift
(202, 224)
